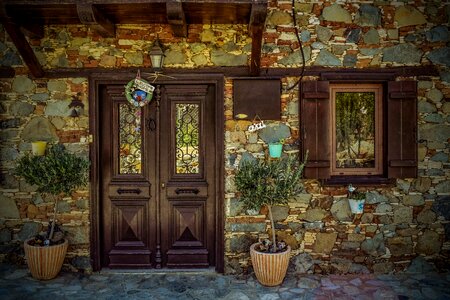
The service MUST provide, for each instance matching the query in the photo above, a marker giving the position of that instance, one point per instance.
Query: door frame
(104, 78)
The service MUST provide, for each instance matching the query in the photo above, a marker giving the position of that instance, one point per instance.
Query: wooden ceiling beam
(256, 28)
(21, 43)
(34, 31)
(176, 18)
(91, 16)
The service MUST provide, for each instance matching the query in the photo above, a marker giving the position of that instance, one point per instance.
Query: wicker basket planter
(45, 262)
(270, 268)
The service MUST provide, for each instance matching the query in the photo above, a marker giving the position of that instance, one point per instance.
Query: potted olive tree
(269, 183)
(58, 173)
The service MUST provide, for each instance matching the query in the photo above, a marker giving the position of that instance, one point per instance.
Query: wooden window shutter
(315, 114)
(402, 129)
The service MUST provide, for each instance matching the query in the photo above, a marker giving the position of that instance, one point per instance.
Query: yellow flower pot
(38, 148)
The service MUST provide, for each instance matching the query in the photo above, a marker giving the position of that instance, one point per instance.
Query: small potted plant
(269, 183)
(276, 148)
(56, 174)
(356, 200)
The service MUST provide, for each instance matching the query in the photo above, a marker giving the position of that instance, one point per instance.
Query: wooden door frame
(105, 78)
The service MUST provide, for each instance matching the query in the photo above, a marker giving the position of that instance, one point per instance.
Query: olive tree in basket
(57, 174)
(269, 183)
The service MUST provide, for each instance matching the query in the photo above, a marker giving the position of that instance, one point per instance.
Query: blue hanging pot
(275, 150)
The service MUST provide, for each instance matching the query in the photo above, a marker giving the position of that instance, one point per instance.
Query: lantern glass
(157, 55)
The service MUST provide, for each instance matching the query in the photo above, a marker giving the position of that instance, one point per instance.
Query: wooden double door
(158, 188)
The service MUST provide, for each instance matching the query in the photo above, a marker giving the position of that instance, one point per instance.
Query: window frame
(399, 98)
(359, 87)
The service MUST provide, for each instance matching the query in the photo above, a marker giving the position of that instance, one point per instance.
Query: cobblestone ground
(16, 283)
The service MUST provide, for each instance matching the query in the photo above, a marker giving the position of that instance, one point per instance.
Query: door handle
(121, 191)
(187, 191)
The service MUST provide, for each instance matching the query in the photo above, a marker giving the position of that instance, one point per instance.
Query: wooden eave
(22, 18)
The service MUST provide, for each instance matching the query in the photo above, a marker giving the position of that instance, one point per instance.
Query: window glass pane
(355, 129)
(130, 139)
(187, 138)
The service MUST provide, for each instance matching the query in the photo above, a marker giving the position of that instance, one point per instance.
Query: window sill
(359, 180)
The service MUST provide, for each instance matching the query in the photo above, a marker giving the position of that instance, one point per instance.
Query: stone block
(434, 95)
(280, 213)
(326, 58)
(426, 107)
(426, 216)
(336, 13)
(438, 34)
(29, 230)
(8, 208)
(374, 197)
(324, 242)
(274, 133)
(383, 268)
(222, 58)
(22, 85)
(353, 35)
(341, 210)
(371, 37)
(19, 108)
(422, 184)
(278, 17)
(374, 246)
(400, 246)
(77, 234)
(57, 86)
(313, 215)
(383, 208)
(403, 54)
(368, 15)
(429, 243)
(434, 132)
(420, 266)
(413, 200)
(242, 243)
(39, 128)
(136, 58)
(246, 227)
(174, 57)
(440, 156)
(302, 262)
(434, 118)
(403, 215)
(408, 15)
(440, 56)
(323, 33)
(295, 58)
(289, 239)
(443, 187)
(81, 262)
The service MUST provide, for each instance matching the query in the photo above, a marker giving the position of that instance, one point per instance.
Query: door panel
(187, 174)
(158, 187)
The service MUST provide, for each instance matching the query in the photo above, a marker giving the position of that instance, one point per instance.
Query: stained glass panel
(187, 138)
(130, 139)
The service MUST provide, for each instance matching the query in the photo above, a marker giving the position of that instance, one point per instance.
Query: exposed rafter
(256, 28)
(91, 16)
(176, 18)
(21, 44)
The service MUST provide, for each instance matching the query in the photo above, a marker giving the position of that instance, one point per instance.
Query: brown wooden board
(257, 97)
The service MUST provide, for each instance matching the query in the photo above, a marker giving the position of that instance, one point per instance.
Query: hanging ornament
(138, 91)
(256, 125)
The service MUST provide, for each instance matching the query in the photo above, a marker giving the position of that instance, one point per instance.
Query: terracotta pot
(45, 262)
(270, 268)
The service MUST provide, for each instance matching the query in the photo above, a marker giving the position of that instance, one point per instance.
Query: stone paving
(16, 283)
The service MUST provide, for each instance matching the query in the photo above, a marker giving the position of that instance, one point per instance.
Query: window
(356, 129)
(380, 142)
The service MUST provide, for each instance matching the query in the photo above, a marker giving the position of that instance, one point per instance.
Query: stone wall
(399, 223)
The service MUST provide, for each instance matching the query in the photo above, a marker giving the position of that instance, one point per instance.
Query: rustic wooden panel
(256, 96)
(402, 129)
(315, 115)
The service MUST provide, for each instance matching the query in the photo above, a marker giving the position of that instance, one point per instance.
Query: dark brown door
(157, 174)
